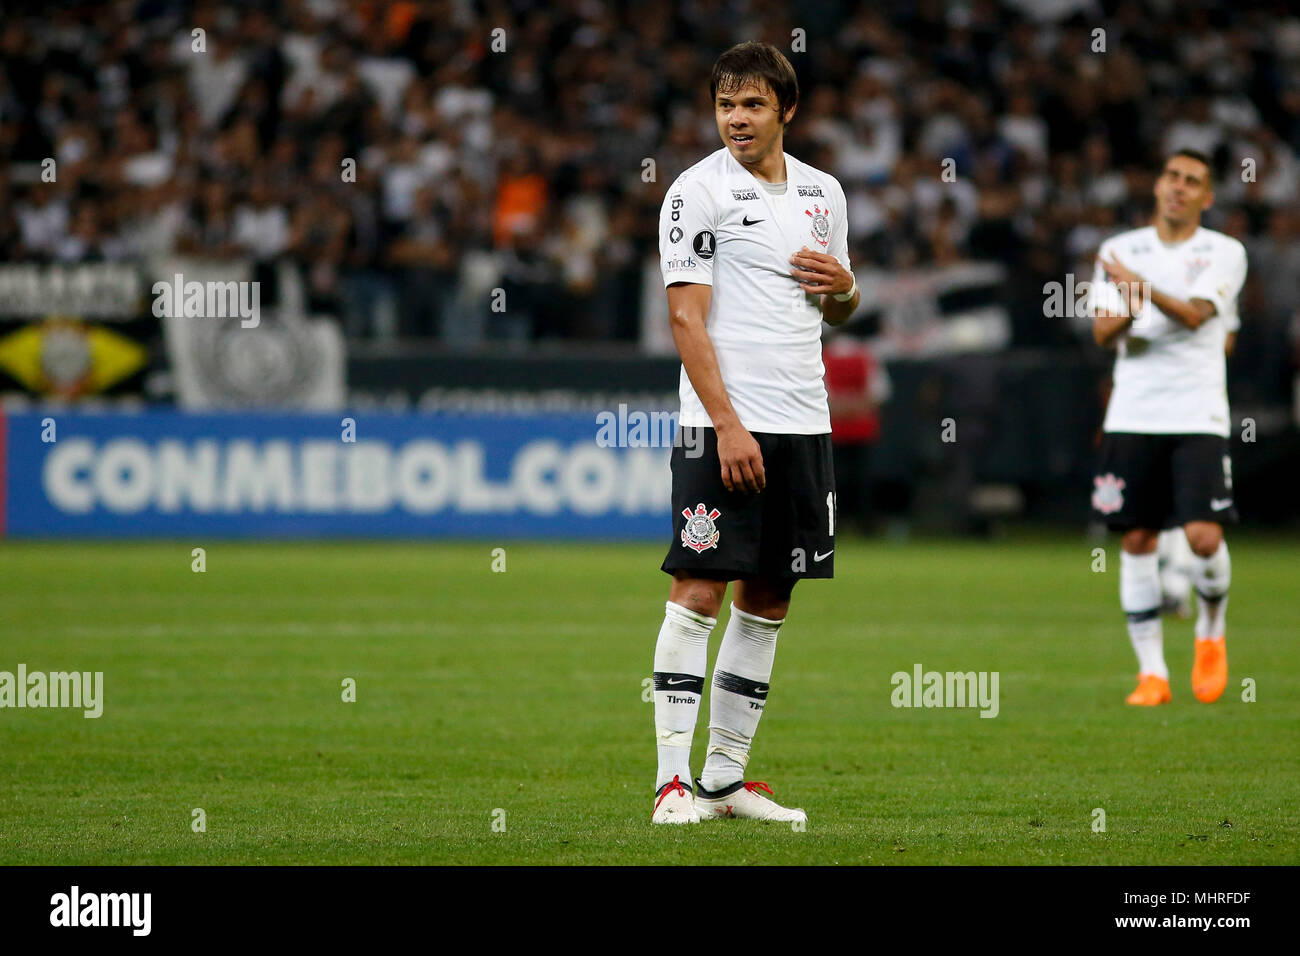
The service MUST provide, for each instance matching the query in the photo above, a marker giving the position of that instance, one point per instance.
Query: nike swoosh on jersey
(751, 222)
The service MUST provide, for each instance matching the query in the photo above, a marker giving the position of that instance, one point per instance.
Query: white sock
(1174, 558)
(740, 682)
(1175, 585)
(1139, 596)
(1212, 576)
(681, 660)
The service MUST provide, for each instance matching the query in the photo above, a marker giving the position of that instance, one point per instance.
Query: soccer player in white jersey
(754, 255)
(1165, 296)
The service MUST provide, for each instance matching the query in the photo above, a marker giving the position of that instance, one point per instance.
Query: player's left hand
(1129, 282)
(1118, 272)
(820, 273)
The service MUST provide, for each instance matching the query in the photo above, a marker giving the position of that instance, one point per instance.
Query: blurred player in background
(754, 254)
(1169, 308)
(1176, 562)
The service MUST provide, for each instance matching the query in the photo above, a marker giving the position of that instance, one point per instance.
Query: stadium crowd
(509, 144)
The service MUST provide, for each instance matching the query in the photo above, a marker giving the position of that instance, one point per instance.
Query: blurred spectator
(43, 220)
(426, 264)
(521, 198)
(531, 281)
(856, 386)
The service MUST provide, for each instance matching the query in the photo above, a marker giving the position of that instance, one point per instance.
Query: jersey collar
(1175, 245)
(738, 167)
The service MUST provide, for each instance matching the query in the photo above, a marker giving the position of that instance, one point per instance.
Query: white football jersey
(1170, 379)
(721, 227)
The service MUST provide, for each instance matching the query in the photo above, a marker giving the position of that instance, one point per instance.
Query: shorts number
(1227, 472)
(830, 513)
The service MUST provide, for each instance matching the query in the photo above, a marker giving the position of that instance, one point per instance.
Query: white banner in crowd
(227, 350)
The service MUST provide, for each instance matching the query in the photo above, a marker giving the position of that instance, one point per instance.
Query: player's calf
(681, 658)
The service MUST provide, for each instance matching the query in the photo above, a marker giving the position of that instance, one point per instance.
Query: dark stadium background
(537, 170)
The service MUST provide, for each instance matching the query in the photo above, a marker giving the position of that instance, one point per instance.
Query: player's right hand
(742, 461)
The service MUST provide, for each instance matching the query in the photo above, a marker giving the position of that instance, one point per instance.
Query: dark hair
(760, 64)
(1195, 154)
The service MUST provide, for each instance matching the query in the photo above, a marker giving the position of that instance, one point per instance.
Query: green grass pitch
(515, 698)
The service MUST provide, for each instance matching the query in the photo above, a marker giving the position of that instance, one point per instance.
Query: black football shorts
(785, 531)
(1162, 481)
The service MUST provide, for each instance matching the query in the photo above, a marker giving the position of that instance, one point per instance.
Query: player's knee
(699, 595)
(773, 611)
(1204, 538)
(701, 601)
(1140, 541)
(764, 598)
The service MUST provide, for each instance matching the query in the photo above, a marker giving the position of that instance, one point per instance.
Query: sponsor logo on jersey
(700, 532)
(1108, 493)
(703, 244)
(1195, 268)
(744, 195)
(675, 235)
(809, 190)
(746, 221)
(680, 265)
(821, 224)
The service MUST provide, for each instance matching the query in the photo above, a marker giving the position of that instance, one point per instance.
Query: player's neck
(1173, 233)
(772, 168)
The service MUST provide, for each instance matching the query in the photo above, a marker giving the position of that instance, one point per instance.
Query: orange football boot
(1151, 691)
(1210, 672)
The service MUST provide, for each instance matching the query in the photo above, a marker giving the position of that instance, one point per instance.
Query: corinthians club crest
(700, 532)
(1108, 493)
(821, 224)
